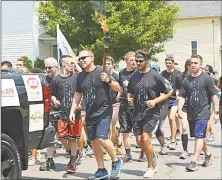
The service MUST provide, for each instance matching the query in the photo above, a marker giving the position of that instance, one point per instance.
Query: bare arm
(215, 102)
(115, 86)
(130, 99)
(75, 101)
(181, 102)
(163, 97)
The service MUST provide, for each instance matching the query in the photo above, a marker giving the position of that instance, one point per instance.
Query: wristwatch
(216, 112)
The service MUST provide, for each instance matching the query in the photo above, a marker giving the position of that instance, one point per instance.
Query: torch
(107, 37)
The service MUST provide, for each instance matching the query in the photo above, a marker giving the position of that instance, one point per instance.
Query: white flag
(63, 44)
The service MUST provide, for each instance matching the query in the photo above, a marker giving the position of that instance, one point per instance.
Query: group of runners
(100, 106)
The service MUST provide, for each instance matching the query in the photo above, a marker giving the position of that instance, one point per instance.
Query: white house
(21, 33)
(198, 31)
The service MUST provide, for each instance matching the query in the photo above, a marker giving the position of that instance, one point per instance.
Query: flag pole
(58, 51)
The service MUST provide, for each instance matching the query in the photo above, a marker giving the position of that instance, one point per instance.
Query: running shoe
(150, 173)
(208, 160)
(116, 167)
(106, 157)
(163, 149)
(127, 158)
(100, 174)
(71, 168)
(48, 165)
(193, 166)
(172, 145)
(184, 155)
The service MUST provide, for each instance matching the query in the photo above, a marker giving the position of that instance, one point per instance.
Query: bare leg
(148, 148)
(98, 152)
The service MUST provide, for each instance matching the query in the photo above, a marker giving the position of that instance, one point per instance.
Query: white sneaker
(149, 173)
(33, 162)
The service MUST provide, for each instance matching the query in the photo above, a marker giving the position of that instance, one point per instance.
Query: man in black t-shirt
(62, 90)
(95, 86)
(125, 112)
(219, 85)
(200, 90)
(144, 94)
(170, 74)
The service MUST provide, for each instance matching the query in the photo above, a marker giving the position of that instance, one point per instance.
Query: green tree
(39, 63)
(132, 24)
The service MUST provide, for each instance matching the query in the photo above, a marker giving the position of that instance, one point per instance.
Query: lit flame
(102, 21)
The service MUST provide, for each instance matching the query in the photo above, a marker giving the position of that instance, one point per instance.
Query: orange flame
(102, 21)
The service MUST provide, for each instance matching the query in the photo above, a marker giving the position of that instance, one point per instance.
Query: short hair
(36, 70)
(7, 63)
(131, 53)
(51, 59)
(144, 53)
(198, 57)
(210, 68)
(110, 58)
(169, 59)
(63, 57)
(22, 59)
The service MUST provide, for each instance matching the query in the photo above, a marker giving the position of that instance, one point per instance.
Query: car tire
(11, 164)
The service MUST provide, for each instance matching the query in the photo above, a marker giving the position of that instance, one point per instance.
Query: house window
(193, 48)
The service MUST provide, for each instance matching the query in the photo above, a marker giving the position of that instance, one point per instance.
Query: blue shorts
(172, 102)
(99, 130)
(198, 128)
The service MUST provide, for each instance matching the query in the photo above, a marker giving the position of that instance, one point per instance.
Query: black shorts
(149, 125)
(125, 119)
(99, 130)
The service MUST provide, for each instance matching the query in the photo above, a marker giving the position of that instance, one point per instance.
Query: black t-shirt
(144, 87)
(114, 93)
(179, 82)
(171, 77)
(63, 88)
(48, 79)
(124, 77)
(198, 91)
(96, 95)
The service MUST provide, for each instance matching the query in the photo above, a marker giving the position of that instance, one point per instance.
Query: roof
(44, 36)
(192, 9)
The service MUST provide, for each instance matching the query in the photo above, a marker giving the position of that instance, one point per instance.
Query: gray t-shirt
(198, 91)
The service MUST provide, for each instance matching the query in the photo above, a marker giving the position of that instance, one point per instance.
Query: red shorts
(69, 130)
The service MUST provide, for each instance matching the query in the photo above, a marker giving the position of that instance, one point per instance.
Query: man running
(94, 85)
(144, 89)
(170, 74)
(184, 122)
(125, 112)
(62, 90)
(200, 90)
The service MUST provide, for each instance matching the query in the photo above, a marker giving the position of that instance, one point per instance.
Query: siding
(200, 30)
(45, 48)
(17, 30)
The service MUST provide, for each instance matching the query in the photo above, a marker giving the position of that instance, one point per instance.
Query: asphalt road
(170, 166)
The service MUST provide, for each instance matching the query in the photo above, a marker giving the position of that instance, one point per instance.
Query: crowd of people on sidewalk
(98, 107)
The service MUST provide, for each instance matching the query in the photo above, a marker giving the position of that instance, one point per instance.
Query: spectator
(6, 65)
(20, 63)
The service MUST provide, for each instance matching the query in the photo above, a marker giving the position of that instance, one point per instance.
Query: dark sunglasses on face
(83, 58)
(139, 61)
(18, 64)
(48, 67)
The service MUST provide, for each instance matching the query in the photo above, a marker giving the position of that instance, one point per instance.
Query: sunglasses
(18, 64)
(83, 58)
(139, 61)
